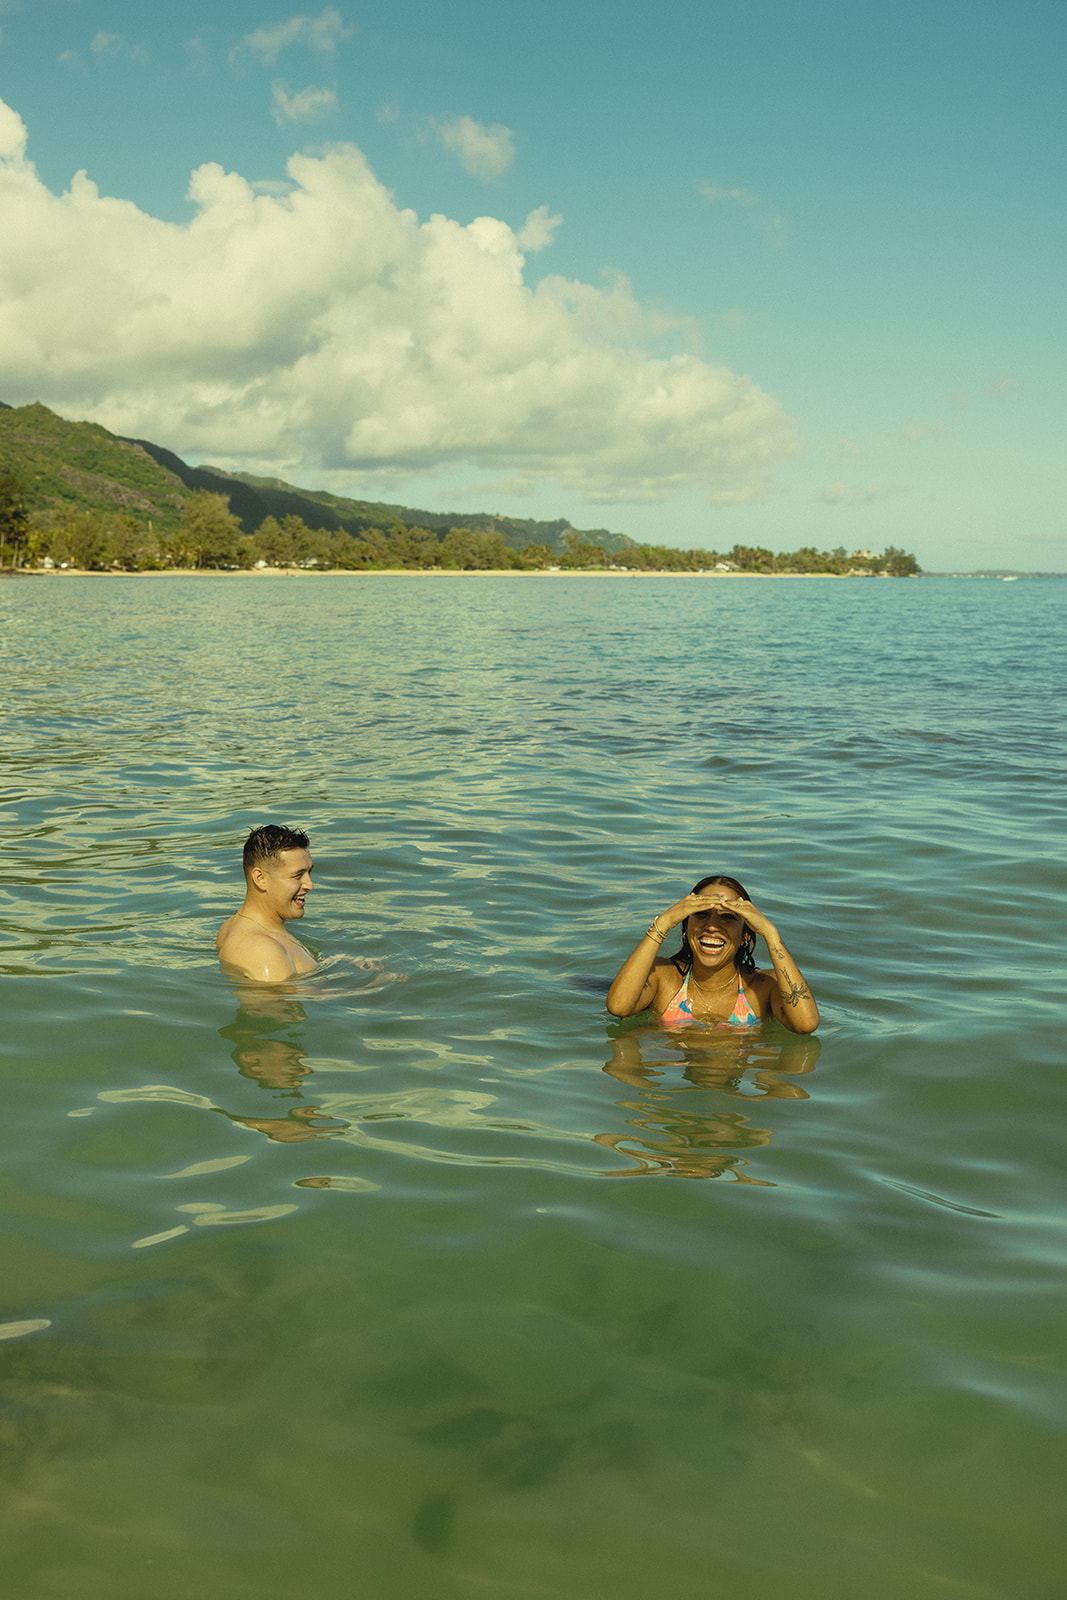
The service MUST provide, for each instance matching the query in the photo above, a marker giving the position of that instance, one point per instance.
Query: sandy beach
(424, 572)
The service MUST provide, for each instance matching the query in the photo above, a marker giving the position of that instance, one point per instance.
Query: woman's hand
(709, 900)
(726, 900)
(721, 898)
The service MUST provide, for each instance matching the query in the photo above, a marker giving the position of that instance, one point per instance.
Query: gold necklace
(696, 984)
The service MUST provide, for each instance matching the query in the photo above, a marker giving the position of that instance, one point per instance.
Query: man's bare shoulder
(256, 953)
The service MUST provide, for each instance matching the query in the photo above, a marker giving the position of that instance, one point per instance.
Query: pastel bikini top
(679, 1012)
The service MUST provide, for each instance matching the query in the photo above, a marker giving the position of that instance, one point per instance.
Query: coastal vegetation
(73, 495)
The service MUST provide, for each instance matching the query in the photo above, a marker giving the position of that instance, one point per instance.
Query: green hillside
(71, 467)
(252, 499)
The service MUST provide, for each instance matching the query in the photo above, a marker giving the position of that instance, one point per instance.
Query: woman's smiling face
(714, 936)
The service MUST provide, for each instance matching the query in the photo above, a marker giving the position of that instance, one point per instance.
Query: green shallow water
(452, 1286)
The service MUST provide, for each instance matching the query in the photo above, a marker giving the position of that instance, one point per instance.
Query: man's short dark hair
(264, 843)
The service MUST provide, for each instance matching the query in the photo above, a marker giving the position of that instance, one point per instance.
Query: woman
(713, 978)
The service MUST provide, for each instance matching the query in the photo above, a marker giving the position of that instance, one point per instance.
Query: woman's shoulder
(758, 980)
(666, 974)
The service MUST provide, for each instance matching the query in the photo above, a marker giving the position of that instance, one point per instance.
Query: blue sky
(776, 274)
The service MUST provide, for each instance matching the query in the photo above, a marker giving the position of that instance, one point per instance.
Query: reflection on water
(680, 1117)
(681, 1138)
(298, 1126)
(273, 1063)
(678, 1135)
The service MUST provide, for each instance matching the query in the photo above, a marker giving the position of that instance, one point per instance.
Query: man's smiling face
(286, 882)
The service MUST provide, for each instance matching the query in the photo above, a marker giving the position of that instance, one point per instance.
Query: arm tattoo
(791, 991)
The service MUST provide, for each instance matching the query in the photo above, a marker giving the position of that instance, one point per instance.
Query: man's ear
(258, 878)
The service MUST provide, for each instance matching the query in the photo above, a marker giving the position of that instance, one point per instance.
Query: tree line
(209, 536)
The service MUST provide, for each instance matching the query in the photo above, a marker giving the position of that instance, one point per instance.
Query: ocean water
(443, 1283)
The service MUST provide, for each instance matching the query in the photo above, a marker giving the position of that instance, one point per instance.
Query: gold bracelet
(655, 932)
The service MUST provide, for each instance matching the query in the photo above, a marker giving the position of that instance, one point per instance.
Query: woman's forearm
(627, 994)
(793, 1003)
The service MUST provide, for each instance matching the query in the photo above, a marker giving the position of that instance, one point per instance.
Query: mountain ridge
(67, 467)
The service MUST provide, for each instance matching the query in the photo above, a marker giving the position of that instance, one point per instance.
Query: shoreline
(426, 572)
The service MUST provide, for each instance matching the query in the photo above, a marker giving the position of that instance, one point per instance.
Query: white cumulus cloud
(483, 152)
(326, 330)
(323, 33)
(538, 231)
(307, 105)
(12, 135)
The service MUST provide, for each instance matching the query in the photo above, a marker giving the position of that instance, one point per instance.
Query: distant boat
(1012, 577)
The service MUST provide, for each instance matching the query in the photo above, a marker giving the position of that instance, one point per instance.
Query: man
(255, 942)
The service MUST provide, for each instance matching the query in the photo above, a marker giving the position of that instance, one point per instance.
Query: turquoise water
(452, 1286)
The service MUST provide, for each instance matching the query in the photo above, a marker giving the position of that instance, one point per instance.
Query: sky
(763, 272)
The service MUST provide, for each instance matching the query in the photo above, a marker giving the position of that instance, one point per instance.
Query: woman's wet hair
(264, 843)
(745, 960)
